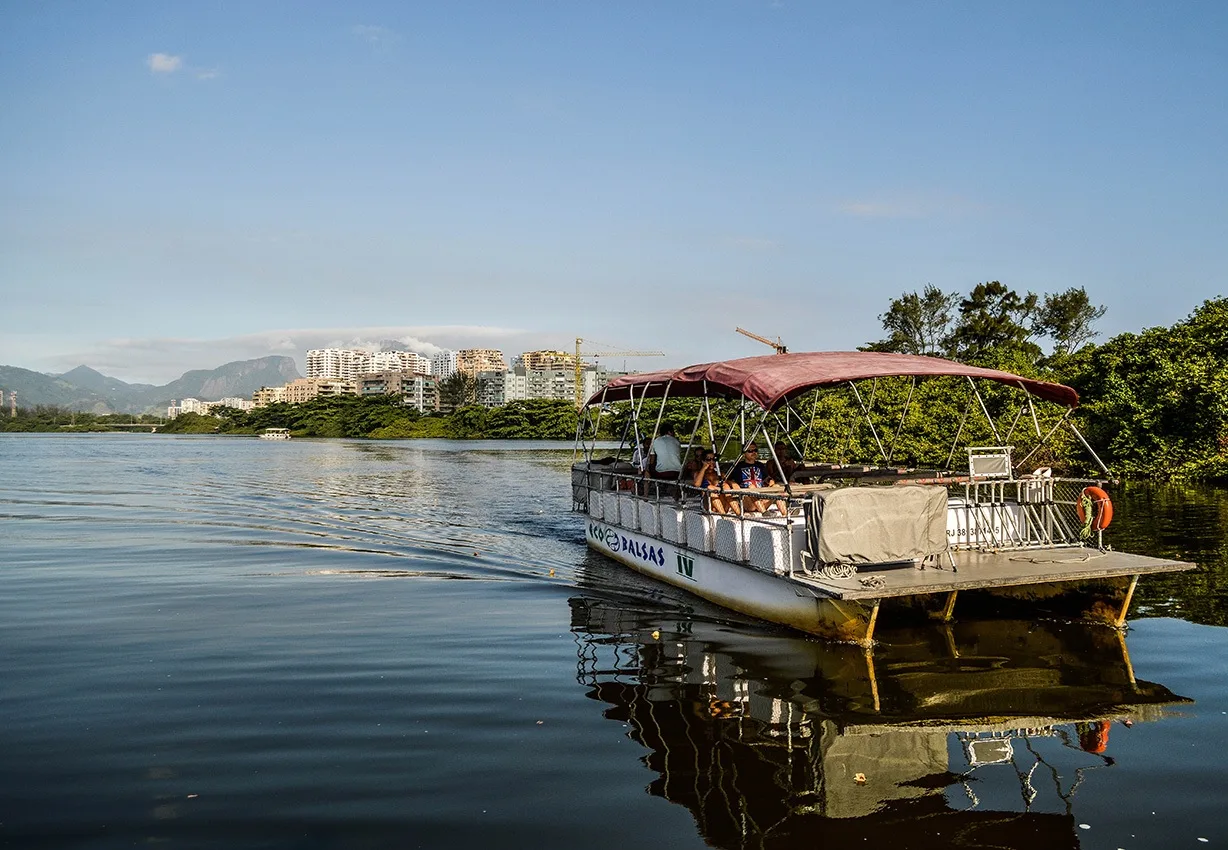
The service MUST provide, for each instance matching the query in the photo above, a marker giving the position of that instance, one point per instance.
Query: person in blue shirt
(750, 473)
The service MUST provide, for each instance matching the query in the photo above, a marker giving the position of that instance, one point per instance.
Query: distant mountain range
(85, 389)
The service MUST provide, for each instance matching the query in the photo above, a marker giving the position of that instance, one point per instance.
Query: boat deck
(976, 570)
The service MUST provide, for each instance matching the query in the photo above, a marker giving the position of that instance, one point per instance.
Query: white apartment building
(496, 388)
(206, 408)
(233, 401)
(398, 361)
(187, 405)
(443, 364)
(344, 364)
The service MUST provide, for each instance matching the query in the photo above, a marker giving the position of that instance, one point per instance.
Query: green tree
(917, 323)
(994, 316)
(457, 390)
(1158, 401)
(1067, 319)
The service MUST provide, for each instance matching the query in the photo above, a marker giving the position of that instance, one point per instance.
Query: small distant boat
(275, 434)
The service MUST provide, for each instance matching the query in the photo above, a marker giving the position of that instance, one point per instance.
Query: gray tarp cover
(875, 525)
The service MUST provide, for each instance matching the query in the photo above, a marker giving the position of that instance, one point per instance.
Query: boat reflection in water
(971, 734)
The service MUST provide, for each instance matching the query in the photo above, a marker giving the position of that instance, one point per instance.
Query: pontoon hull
(737, 587)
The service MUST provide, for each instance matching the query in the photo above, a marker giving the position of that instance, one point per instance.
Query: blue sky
(185, 184)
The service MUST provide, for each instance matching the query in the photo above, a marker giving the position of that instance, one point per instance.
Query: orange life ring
(1103, 507)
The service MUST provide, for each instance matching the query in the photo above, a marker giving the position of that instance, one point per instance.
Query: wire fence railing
(768, 529)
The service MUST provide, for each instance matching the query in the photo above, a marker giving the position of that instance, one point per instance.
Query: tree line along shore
(1153, 403)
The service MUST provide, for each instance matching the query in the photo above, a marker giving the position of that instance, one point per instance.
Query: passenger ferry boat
(854, 536)
(275, 434)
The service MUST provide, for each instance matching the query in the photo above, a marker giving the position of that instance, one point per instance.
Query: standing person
(665, 455)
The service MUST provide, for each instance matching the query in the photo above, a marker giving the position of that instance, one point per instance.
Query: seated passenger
(749, 474)
(787, 464)
(701, 472)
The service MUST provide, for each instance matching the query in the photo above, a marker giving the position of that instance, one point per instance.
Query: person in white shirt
(665, 458)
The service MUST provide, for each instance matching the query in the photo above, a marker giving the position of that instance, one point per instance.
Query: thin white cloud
(909, 206)
(754, 243)
(159, 360)
(164, 63)
(379, 37)
(208, 74)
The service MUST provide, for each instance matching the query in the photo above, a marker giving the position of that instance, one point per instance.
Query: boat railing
(983, 513)
(1029, 512)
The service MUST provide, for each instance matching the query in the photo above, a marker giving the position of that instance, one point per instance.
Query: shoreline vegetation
(1154, 404)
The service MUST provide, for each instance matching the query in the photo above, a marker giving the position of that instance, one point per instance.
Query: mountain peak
(81, 372)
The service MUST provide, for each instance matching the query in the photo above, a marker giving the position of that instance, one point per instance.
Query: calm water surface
(228, 642)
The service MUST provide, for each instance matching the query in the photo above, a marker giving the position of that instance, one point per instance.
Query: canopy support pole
(771, 446)
(656, 429)
(1011, 430)
(866, 412)
(1045, 438)
(959, 431)
(814, 412)
(997, 437)
(728, 436)
(912, 385)
(597, 424)
(699, 420)
(627, 426)
(711, 428)
(1090, 450)
(637, 411)
(1031, 407)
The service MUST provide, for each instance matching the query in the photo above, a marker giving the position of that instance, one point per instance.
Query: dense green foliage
(52, 418)
(386, 417)
(1158, 401)
(1154, 404)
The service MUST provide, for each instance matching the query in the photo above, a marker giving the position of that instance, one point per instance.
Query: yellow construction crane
(777, 344)
(580, 364)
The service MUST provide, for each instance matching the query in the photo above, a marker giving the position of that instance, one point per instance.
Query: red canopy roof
(769, 379)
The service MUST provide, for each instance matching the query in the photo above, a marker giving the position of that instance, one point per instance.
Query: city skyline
(192, 185)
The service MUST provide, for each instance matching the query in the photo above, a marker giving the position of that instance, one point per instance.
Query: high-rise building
(443, 364)
(305, 389)
(547, 360)
(474, 360)
(398, 361)
(268, 395)
(520, 384)
(417, 389)
(344, 364)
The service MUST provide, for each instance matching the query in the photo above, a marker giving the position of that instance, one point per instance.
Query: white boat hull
(738, 587)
